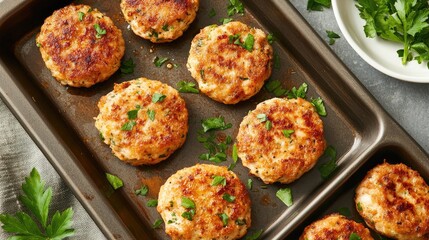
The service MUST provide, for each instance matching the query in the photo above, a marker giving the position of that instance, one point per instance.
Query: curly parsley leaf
(235, 6)
(319, 105)
(187, 87)
(215, 123)
(332, 36)
(301, 92)
(37, 199)
(99, 31)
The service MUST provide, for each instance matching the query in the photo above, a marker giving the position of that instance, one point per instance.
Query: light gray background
(407, 103)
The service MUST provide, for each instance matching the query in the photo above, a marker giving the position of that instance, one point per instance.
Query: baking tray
(60, 119)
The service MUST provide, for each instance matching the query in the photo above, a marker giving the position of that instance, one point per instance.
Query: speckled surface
(407, 103)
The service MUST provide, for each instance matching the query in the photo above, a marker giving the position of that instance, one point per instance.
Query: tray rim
(24, 109)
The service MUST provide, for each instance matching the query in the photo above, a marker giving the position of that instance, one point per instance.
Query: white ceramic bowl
(377, 52)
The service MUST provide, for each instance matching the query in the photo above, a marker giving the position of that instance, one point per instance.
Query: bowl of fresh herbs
(390, 35)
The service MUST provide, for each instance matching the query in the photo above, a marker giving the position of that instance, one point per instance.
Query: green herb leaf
(268, 125)
(271, 38)
(80, 16)
(159, 61)
(240, 222)
(249, 41)
(189, 214)
(228, 198)
(288, 132)
(359, 207)
(320, 106)
(188, 203)
(142, 191)
(165, 27)
(285, 194)
(215, 123)
(99, 31)
(249, 183)
(276, 61)
(332, 36)
(224, 218)
(187, 87)
(225, 20)
(301, 92)
(115, 181)
(345, 211)
(61, 224)
(234, 153)
(152, 203)
(132, 114)
(255, 235)
(127, 66)
(327, 168)
(158, 97)
(212, 13)
(262, 117)
(275, 87)
(151, 114)
(318, 5)
(234, 7)
(218, 180)
(157, 223)
(354, 236)
(128, 126)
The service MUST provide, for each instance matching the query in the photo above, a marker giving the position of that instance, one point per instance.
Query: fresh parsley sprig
(37, 200)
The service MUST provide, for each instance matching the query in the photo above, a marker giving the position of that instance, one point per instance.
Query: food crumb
(169, 65)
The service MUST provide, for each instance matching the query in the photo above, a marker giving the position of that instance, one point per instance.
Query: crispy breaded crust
(195, 183)
(72, 51)
(335, 227)
(159, 20)
(393, 200)
(227, 72)
(272, 156)
(148, 141)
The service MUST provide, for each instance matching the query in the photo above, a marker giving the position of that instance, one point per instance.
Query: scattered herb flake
(234, 153)
(268, 125)
(81, 15)
(240, 222)
(152, 203)
(359, 207)
(158, 61)
(132, 114)
(262, 117)
(275, 87)
(157, 224)
(189, 214)
(332, 36)
(234, 7)
(225, 20)
(255, 235)
(158, 97)
(115, 181)
(224, 218)
(101, 136)
(187, 87)
(354, 236)
(212, 13)
(227, 197)
(142, 191)
(165, 27)
(276, 61)
(318, 5)
(249, 41)
(188, 203)
(271, 38)
(327, 168)
(301, 92)
(288, 132)
(345, 211)
(320, 106)
(127, 66)
(218, 180)
(215, 123)
(285, 194)
(99, 31)
(128, 126)
(249, 183)
(151, 114)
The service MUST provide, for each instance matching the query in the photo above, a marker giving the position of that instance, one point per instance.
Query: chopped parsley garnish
(80, 16)
(234, 39)
(268, 125)
(225, 20)
(240, 222)
(187, 87)
(142, 191)
(127, 66)
(401, 21)
(359, 207)
(99, 31)
(158, 61)
(255, 235)
(318, 5)
(224, 218)
(332, 36)
(249, 183)
(249, 41)
(132, 114)
(101, 136)
(151, 114)
(37, 200)
(189, 214)
(115, 181)
(354, 236)
(158, 97)
(152, 203)
(165, 27)
(234, 7)
(271, 38)
(319, 105)
(345, 211)
(202, 73)
(275, 87)
(215, 123)
(327, 168)
(128, 126)
(212, 13)
(227, 197)
(262, 117)
(301, 92)
(218, 180)
(287, 132)
(234, 157)
(188, 203)
(276, 61)
(285, 194)
(157, 224)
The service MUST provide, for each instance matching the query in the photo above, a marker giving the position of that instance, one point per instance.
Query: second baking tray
(60, 119)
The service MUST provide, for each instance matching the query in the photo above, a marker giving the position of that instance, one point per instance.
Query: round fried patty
(80, 45)
(159, 20)
(230, 62)
(335, 227)
(393, 200)
(144, 121)
(281, 139)
(204, 202)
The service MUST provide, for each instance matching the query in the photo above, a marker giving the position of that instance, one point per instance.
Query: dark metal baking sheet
(60, 119)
